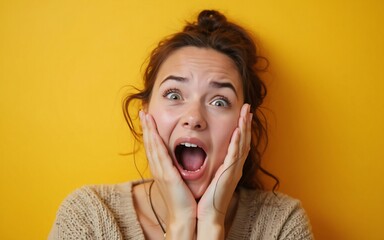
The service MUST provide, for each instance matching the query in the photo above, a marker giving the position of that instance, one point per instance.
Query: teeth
(189, 144)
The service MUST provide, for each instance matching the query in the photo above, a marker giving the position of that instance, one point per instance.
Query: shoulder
(275, 215)
(89, 212)
(270, 201)
(93, 199)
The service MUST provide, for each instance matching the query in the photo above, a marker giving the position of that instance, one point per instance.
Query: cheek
(164, 120)
(223, 138)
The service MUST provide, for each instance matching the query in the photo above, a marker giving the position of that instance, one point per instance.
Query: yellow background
(64, 65)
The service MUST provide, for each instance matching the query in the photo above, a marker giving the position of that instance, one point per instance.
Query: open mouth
(190, 156)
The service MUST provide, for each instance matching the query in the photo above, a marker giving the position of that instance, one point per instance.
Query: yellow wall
(63, 65)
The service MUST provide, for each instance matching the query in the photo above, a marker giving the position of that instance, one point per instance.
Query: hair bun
(210, 20)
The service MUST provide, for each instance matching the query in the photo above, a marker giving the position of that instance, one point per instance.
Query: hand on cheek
(157, 154)
(213, 206)
(181, 205)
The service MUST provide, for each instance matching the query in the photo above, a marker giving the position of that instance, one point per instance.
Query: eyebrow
(176, 78)
(213, 84)
(223, 85)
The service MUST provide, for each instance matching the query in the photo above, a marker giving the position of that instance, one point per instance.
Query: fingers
(245, 125)
(241, 139)
(148, 143)
(156, 151)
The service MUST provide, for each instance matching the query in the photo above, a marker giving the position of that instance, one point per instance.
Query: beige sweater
(107, 212)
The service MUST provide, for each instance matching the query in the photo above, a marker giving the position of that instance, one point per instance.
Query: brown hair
(212, 30)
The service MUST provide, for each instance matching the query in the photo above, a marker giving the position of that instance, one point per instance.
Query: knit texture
(107, 212)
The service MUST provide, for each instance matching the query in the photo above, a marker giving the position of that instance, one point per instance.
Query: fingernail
(141, 114)
(147, 117)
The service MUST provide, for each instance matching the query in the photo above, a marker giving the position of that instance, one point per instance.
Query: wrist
(213, 229)
(181, 229)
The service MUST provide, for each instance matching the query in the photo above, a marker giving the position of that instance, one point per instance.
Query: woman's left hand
(212, 207)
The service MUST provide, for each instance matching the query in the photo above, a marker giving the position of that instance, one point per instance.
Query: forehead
(200, 63)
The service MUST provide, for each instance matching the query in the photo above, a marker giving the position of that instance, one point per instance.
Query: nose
(194, 119)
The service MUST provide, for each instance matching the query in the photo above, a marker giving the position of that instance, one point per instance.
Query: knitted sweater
(107, 212)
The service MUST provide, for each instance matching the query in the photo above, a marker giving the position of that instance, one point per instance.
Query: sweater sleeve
(267, 215)
(83, 215)
(296, 225)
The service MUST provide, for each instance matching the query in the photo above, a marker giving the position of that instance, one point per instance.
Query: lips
(190, 158)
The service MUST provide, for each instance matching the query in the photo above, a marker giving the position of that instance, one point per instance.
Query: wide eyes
(174, 94)
(221, 102)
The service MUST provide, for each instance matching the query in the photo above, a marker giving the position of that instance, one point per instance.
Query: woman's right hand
(181, 205)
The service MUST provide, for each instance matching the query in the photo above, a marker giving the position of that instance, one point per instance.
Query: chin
(197, 190)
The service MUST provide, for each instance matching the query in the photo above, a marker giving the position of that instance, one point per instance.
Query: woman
(202, 132)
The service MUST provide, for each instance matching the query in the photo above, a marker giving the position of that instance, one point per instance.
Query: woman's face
(196, 102)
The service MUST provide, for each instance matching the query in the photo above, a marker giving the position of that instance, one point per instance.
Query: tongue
(192, 158)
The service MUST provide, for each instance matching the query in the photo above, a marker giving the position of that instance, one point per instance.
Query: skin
(198, 97)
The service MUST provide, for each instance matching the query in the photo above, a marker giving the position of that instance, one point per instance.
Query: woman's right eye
(172, 94)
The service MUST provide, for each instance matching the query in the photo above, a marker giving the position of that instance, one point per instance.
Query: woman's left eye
(221, 102)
